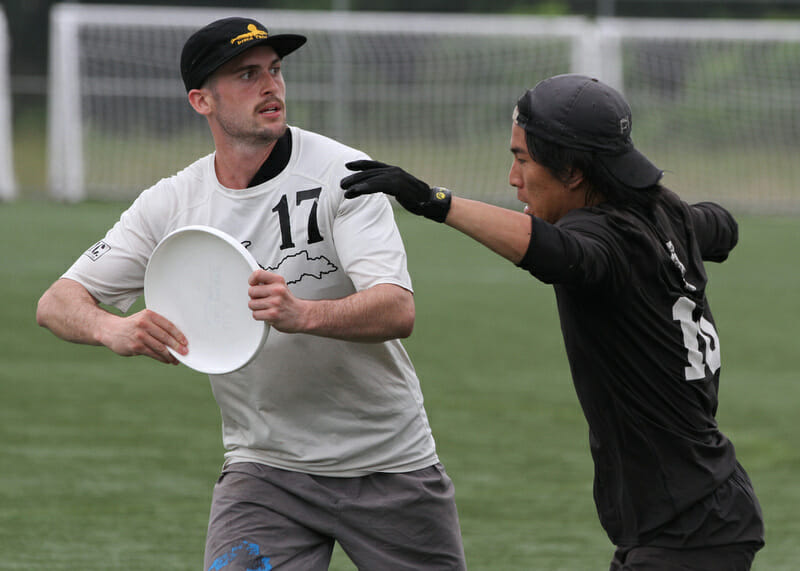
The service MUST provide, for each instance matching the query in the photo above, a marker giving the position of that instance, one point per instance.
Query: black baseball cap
(221, 41)
(581, 112)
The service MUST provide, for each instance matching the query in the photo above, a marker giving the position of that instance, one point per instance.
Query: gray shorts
(263, 518)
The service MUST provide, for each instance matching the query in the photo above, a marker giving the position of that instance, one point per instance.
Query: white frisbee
(197, 278)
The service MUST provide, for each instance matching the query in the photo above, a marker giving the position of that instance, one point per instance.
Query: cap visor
(284, 44)
(632, 169)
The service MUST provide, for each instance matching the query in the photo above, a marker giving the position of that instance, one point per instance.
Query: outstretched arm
(379, 313)
(71, 313)
(504, 231)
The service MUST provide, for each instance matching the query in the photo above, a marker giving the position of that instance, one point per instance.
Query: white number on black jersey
(693, 331)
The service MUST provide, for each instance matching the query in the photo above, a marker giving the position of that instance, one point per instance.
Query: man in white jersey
(326, 435)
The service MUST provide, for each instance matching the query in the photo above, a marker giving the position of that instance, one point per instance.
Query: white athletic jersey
(305, 403)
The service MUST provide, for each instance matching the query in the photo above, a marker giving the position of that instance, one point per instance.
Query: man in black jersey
(626, 258)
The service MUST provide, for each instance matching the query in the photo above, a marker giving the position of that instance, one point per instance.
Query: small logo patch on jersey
(97, 250)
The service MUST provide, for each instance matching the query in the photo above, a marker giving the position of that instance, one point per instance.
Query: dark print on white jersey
(297, 266)
(97, 250)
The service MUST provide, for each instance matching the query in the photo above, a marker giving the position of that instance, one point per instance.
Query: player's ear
(575, 179)
(200, 100)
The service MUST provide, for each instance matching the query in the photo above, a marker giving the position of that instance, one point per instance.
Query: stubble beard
(264, 135)
(250, 132)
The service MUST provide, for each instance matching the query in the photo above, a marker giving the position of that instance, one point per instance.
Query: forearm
(378, 313)
(71, 313)
(505, 232)
(373, 315)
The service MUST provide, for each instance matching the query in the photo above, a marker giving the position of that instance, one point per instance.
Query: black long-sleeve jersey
(645, 361)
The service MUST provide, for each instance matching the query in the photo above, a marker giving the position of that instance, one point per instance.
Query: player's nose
(514, 176)
(270, 84)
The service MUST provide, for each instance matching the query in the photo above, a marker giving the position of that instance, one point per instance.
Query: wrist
(439, 204)
(102, 327)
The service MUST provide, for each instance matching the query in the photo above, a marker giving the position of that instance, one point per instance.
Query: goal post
(713, 101)
(8, 183)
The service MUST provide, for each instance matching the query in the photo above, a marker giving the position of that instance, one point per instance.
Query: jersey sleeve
(369, 243)
(578, 250)
(112, 270)
(716, 230)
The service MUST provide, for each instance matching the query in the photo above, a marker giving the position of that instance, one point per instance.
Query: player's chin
(270, 133)
(275, 121)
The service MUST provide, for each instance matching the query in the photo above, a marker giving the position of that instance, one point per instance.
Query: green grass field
(108, 462)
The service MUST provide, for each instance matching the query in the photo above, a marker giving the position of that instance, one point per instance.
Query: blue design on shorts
(251, 550)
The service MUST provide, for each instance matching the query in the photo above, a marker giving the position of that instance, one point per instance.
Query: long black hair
(563, 162)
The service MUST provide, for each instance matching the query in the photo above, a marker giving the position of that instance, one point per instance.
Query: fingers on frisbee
(172, 336)
(264, 277)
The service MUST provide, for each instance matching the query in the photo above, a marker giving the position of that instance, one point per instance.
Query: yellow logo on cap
(253, 34)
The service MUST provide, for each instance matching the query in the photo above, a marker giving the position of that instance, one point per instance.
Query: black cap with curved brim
(221, 41)
(580, 112)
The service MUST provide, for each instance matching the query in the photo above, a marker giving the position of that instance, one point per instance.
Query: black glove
(413, 194)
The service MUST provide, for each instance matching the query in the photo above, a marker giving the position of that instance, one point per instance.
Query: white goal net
(8, 184)
(715, 103)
